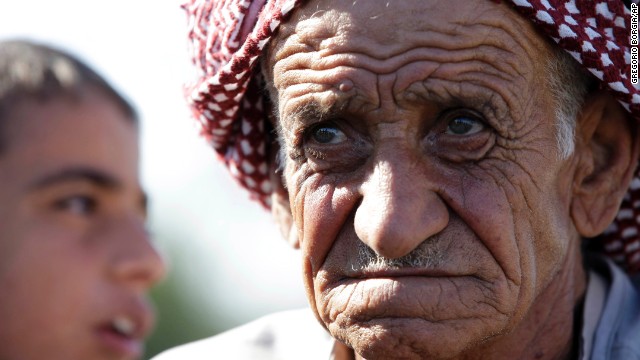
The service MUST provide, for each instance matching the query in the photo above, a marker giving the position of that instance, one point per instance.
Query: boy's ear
(607, 154)
(280, 207)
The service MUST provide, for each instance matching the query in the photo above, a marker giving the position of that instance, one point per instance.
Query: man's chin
(410, 338)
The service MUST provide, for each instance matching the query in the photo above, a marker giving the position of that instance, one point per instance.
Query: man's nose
(135, 260)
(399, 208)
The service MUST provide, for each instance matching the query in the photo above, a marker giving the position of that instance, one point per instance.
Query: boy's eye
(464, 125)
(77, 205)
(327, 134)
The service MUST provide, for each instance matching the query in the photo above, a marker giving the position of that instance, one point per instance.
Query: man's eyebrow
(311, 112)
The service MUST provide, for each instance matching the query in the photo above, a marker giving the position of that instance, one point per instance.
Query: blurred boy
(75, 259)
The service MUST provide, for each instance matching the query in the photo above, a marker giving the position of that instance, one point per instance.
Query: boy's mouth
(124, 333)
(124, 326)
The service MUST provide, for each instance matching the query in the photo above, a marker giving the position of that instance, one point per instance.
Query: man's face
(75, 259)
(422, 171)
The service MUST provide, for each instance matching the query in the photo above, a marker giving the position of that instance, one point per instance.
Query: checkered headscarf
(228, 36)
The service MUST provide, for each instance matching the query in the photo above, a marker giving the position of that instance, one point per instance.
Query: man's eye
(463, 125)
(327, 134)
(77, 205)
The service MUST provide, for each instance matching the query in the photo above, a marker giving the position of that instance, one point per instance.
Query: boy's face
(75, 259)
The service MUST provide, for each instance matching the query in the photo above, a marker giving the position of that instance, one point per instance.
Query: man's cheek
(321, 210)
(515, 237)
(326, 210)
(487, 190)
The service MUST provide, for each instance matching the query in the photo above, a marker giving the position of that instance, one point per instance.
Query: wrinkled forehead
(480, 45)
(386, 29)
(395, 37)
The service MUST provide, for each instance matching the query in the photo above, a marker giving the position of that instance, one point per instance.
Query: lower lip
(405, 275)
(423, 273)
(407, 282)
(130, 348)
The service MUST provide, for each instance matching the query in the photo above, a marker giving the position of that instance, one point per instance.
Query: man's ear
(280, 207)
(607, 152)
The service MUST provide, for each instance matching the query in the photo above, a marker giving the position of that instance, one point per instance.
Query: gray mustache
(427, 255)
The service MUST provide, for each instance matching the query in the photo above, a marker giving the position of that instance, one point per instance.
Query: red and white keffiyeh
(228, 36)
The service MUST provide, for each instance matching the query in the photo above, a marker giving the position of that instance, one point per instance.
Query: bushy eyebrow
(312, 112)
(91, 175)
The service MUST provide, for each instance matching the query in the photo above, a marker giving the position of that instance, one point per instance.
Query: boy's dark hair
(36, 72)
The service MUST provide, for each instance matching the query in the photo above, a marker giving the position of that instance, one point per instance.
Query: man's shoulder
(627, 342)
(289, 334)
(618, 333)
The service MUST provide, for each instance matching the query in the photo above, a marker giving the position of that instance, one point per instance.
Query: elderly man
(444, 165)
